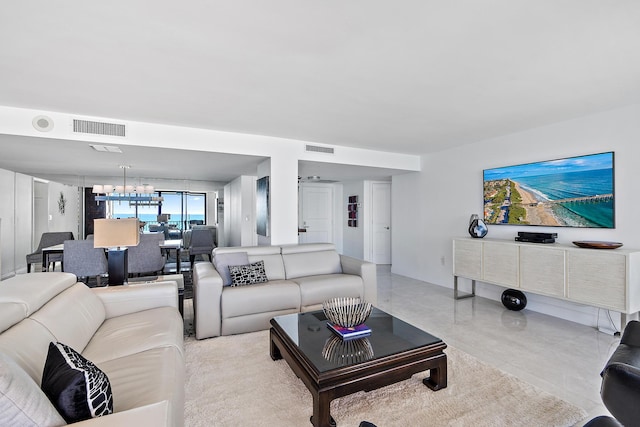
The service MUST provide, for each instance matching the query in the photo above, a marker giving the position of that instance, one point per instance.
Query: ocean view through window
(182, 207)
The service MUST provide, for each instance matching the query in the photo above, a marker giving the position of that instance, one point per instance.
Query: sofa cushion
(302, 264)
(10, 314)
(27, 344)
(298, 248)
(269, 254)
(316, 289)
(224, 260)
(261, 298)
(136, 332)
(251, 274)
(73, 316)
(273, 266)
(146, 378)
(36, 289)
(77, 387)
(22, 402)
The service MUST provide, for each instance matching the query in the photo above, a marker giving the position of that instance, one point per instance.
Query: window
(184, 208)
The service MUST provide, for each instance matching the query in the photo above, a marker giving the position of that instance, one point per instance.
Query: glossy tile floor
(561, 357)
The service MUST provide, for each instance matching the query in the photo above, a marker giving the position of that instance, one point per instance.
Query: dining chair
(47, 239)
(201, 243)
(147, 256)
(83, 260)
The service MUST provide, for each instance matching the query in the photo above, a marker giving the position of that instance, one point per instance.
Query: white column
(283, 189)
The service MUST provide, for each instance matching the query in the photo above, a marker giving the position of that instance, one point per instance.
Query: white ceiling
(412, 76)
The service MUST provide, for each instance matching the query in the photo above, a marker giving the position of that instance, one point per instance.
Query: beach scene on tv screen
(571, 192)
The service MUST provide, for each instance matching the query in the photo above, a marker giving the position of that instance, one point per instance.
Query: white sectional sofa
(300, 278)
(134, 334)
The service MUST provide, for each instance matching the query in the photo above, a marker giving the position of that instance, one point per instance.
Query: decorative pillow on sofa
(22, 403)
(75, 386)
(251, 274)
(223, 261)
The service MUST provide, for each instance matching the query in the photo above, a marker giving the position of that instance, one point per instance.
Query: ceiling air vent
(98, 128)
(318, 149)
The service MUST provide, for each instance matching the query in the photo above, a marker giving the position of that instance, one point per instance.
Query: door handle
(386, 228)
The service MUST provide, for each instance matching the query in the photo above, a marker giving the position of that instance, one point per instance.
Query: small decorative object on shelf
(592, 244)
(477, 227)
(344, 353)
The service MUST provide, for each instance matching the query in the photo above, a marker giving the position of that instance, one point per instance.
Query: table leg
(274, 351)
(321, 407)
(437, 379)
(458, 295)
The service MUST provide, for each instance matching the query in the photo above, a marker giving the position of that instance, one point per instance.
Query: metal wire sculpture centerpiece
(344, 353)
(346, 312)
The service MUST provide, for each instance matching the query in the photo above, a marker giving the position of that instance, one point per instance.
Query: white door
(316, 213)
(381, 223)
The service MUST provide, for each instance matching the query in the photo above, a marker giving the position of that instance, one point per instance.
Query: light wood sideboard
(604, 278)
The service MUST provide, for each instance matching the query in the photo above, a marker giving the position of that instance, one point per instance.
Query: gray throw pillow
(223, 261)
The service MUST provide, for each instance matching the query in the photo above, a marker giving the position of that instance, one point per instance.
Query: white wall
(17, 213)
(16, 193)
(431, 207)
(284, 154)
(71, 219)
(408, 225)
(23, 220)
(240, 212)
(7, 213)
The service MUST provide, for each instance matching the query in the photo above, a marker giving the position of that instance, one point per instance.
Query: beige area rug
(232, 381)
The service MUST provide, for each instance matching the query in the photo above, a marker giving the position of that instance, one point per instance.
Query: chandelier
(135, 195)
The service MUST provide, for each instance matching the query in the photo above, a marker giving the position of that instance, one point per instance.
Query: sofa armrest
(631, 334)
(620, 392)
(126, 299)
(207, 293)
(156, 414)
(367, 271)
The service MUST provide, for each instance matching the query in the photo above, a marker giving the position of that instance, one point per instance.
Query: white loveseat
(133, 333)
(300, 278)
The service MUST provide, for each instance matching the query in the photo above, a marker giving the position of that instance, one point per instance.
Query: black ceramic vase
(477, 227)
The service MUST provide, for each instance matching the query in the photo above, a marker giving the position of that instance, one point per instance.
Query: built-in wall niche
(352, 211)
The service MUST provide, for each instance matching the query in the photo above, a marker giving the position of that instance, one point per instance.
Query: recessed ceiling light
(106, 148)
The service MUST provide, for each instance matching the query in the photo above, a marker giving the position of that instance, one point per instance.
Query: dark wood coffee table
(331, 367)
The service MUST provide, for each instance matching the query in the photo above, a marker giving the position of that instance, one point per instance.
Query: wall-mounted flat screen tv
(571, 192)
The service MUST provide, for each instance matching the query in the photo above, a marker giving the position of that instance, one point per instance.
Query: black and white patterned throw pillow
(77, 388)
(242, 275)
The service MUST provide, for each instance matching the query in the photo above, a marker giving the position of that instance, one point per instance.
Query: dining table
(46, 252)
(176, 245)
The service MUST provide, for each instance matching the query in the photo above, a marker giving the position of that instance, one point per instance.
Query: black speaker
(514, 299)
